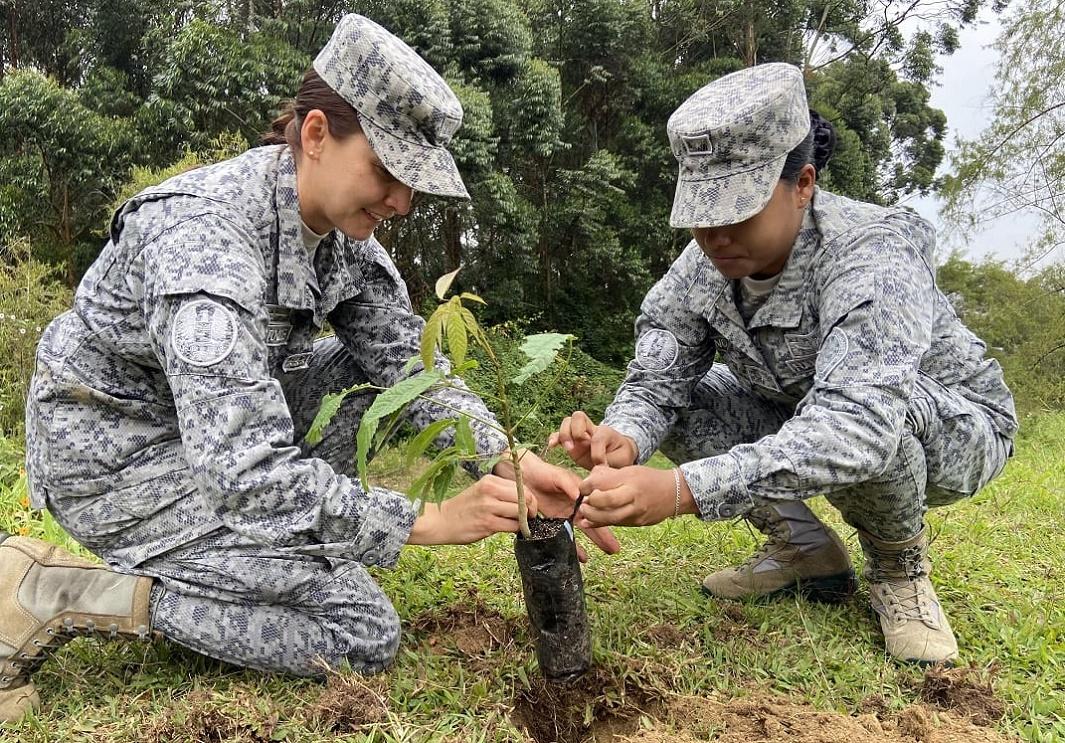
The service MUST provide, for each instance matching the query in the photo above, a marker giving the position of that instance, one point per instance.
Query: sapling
(451, 329)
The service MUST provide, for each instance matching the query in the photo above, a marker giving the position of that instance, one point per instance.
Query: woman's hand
(487, 507)
(556, 490)
(631, 496)
(589, 445)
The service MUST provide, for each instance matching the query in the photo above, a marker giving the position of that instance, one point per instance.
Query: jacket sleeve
(202, 301)
(673, 352)
(380, 329)
(876, 310)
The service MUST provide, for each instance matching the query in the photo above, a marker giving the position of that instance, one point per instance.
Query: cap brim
(422, 167)
(727, 199)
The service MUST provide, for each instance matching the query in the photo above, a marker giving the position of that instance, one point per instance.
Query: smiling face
(760, 246)
(342, 183)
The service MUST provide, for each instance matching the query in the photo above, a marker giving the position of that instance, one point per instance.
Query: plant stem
(515, 455)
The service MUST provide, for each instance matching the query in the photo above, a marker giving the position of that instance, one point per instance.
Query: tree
(1017, 164)
(64, 162)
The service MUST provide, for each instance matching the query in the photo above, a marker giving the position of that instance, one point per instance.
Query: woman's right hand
(588, 444)
(487, 507)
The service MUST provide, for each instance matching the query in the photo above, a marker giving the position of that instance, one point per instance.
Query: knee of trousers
(366, 630)
(892, 504)
(722, 414)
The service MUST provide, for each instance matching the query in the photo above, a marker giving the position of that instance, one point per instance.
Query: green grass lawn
(466, 670)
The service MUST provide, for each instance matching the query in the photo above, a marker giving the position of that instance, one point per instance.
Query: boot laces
(905, 587)
(26, 663)
(775, 538)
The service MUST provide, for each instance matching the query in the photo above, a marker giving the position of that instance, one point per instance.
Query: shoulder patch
(657, 350)
(833, 351)
(204, 332)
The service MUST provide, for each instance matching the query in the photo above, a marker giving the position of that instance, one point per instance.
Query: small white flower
(22, 331)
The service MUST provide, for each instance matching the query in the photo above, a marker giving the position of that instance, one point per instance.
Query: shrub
(31, 294)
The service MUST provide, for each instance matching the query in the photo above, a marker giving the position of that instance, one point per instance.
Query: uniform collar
(783, 308)
(296, 281)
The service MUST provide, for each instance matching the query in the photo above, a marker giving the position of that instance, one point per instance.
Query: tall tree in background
(1017, 164)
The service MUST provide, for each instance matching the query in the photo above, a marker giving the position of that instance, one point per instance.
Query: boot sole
(832, 589)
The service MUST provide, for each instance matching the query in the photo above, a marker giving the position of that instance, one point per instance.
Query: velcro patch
(204, 332)
(657, 350)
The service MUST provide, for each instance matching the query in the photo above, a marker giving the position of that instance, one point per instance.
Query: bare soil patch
(349, 704)
(768, 719)
(469, 628)
(599, 703)
(669, 636)
(206, 717)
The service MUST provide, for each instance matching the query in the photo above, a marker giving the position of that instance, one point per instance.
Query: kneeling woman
(166, 416)
(846, 371)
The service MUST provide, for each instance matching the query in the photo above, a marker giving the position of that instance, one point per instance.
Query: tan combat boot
(48, 597)
(915, 627)
(802, 555)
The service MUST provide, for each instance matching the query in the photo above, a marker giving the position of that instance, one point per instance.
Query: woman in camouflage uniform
(845, 371)
(166, 417)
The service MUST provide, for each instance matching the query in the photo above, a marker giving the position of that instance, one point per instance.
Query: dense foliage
(563, 148)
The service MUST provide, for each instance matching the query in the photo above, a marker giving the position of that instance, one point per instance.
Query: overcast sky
(962, 94)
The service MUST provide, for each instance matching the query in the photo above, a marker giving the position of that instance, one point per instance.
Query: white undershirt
(754, 292)
(311, 239)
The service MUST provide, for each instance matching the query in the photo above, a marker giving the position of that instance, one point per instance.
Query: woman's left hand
(556, 490)
(631, 496)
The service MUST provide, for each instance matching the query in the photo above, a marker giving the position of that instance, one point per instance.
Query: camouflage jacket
(169, 362)
(855, 318)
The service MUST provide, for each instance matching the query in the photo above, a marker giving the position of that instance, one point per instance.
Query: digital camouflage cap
(731, 138)
(407, 111)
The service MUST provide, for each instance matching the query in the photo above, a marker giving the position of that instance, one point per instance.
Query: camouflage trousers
(948, 451)
(232, 599)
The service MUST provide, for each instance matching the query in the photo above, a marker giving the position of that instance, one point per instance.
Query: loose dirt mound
(469, 628)
(568, 713)
(964, 691)
(207, 717)
(349, 704)
(774, 721)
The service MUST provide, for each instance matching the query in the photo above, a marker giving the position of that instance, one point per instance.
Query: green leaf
(420, 443)
(487, 465)
(419, 488)
(443, 481)
(464, 439)
(541, 350)
(386, 403)
(469, 365)
(472, 298)
(472, 326)
(431, 336)
(444, 283)
(329, 408)
(456, 338)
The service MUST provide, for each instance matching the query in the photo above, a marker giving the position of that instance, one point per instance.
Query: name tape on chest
(204, 332)
(657, 350)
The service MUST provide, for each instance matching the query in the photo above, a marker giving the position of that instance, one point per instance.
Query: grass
(466, 670)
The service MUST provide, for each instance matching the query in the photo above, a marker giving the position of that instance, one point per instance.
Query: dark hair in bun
(815, 149)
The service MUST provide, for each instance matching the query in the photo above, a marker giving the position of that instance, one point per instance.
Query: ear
(313, 133)
(804, 185)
